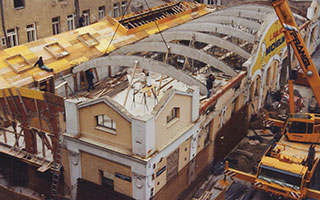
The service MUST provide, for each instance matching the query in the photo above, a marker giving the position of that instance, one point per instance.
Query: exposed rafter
(179, 50)
(200, 37)
(144, 63)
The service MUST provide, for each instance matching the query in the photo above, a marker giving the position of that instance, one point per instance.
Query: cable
(114, 34)
(164, 41)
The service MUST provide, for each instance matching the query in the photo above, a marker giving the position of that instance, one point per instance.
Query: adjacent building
(27, 21)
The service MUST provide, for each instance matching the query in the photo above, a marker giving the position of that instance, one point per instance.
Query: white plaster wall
(143, 136)
(72, 117)
(195, 104)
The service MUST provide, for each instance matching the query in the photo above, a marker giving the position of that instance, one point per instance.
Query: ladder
(56, 168)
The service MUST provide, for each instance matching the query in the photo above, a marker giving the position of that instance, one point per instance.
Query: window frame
(3, 41)
(100, 124)
(86, 15)
(174, 115)
(19, 7)
(116, 10)
(70, 22)
(124, 5)
(56, 29)
(12, 37)
(33, 32)
(101, 12)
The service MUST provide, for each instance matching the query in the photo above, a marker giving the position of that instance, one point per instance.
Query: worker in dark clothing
(90, 77)
(209, 84)
(81, 21)
(42, 66)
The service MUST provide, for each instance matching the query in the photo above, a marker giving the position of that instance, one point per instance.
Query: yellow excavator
(289, 167)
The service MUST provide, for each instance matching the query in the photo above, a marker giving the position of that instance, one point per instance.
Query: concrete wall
(167, 132)
(122, 137)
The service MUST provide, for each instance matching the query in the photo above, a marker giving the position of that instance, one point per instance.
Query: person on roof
(81, 21)
(90, 77)
(209, 84)
(42, 66)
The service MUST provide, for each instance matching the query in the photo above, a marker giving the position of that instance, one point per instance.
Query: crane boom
(294, 38)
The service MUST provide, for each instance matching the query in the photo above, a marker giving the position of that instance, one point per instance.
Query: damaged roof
(64, 51)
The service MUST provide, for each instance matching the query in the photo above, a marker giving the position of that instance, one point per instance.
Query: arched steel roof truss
(218, 28)
(239, 21)
(241, 13)
(179, 50)
(144, 63)
(199, 37)
(253, 7)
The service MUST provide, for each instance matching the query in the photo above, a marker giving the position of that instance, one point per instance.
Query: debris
(235, 190)
(245, 153)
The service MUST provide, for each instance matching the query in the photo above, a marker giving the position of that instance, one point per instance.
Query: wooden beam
(165, 61)
(22, 102)
(130, 84)
(7, 105)
(38, 112)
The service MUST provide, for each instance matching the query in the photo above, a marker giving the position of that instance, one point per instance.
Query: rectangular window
(175, 113)
(107, 179)
(124, 7)
(70, 22)
(268, 81)
(12, 37)
(211, 2)
(31, 32)
(18, 4)
(258, 84)
(116, 10)
(86, 14)
(56, 25)
(105, 122)
(101, 12)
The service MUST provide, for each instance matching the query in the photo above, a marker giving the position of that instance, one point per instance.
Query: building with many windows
(44, 18)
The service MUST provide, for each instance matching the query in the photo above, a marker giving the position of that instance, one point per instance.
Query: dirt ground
(253, 150)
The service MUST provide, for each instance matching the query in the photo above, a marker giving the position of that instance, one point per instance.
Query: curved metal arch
(144, 63)
(179, 50)
(253, 7)
(199, 37)
(262, 8)
(241, 13)
(218, 28)
(239, 21)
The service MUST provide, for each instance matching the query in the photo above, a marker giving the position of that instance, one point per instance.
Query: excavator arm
(294, 38)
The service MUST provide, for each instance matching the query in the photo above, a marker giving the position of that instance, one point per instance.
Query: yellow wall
(160, 180)
(164, 134)
(122, 138)
(184, 154)
(91, 165)
(66, 170)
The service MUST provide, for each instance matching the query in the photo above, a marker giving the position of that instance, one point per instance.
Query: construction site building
(131, 137)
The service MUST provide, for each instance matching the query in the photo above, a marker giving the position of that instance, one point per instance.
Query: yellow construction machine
(289, 166)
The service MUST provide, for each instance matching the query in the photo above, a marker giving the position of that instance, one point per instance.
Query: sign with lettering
(123, 177)
(300, 48)
(271, 43)
(161, 171)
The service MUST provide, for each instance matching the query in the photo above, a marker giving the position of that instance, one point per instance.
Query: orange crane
(288, 167)
(298, 127)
